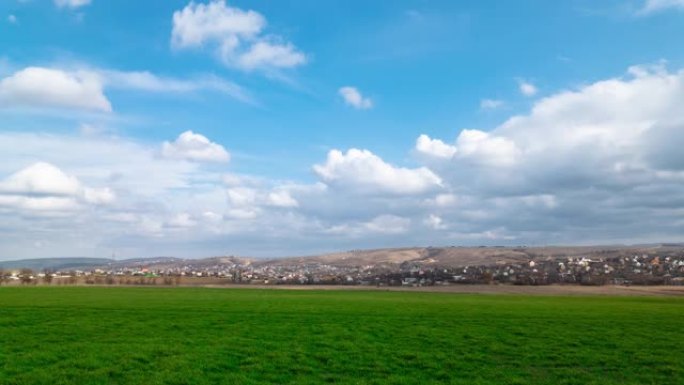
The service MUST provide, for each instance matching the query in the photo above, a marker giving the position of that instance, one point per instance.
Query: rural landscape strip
(654, 265)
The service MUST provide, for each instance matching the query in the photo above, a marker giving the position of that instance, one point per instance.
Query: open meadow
(133, 335)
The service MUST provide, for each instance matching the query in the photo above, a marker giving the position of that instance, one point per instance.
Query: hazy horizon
(272, 129)
(342, 251)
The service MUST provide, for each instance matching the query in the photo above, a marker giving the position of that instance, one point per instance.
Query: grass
(106, 335)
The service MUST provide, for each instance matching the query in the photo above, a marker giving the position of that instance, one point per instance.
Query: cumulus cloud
(235, 34)
(594, 156)
(434, 147)
(474, 146)
(100, 198)
(44, 187)
(527, 88)
(195, 147)
(83, 89)
(249, 202)
(53, 88)
(600, 163)
(198, 23)
(483, 148)
(263, 54)
(353, 97)
(363, 171)
(71, 3)
(40, 179)
(601, 115)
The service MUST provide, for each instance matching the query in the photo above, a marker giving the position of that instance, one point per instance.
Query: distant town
(410, 267)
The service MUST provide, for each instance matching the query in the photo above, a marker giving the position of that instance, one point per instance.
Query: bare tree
(47, 278)
(26, 276)
(72, 277)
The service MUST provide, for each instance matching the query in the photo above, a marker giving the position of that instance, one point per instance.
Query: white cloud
(71, 3)
(146, 81)
(487, 235)
(101, 196)
(266, 54)
(483, 148)
(388, 224)
(211, 216)
(44, 187)
(236, 180)
(235, 34)
(48, 205)
(91, 130)
(435, 222)
(40, 179)
(382, 224)
(249, 202)
(182, 220)
(98, 160)
(545, 200)
(241, 197)
(491, 104)
(354, 98)
(434, 147)
(595, 156)
(12, 19)
(602, 114)
(52, 88)
(198, 23)
(444, 200)
(527, 88)
(282, 198)
(195, 147)
(363, 171)
(242, 214)
(652, 6)
(474, 146)
(149, 82)
(83, 89)
(606, 155)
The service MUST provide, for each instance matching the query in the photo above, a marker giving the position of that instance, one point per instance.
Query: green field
(103, 335)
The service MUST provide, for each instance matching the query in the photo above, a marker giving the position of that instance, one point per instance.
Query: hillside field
(133, 335)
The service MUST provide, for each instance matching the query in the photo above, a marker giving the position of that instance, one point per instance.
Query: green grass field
(103, 335)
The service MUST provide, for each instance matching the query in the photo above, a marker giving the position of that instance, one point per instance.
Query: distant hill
(437, 256)
(463, 256)
(55, 263)
(390, 258)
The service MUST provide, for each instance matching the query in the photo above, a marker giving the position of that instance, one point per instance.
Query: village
(643, 269)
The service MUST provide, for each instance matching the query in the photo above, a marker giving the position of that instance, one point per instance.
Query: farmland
(134, 335)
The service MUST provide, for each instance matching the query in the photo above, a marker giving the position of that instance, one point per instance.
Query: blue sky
(277, 128)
